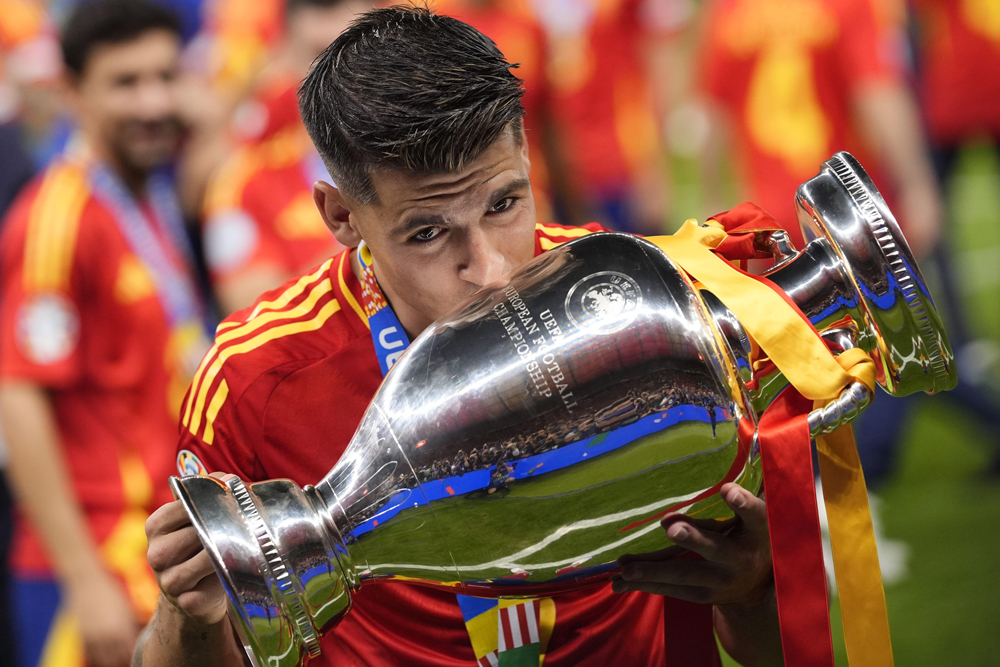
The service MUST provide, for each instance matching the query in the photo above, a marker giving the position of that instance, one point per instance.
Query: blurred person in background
(608, 68)
(791, 82)
(958, 66)
(30, 69)
(261, 226)
(794, 81)
(101, 331)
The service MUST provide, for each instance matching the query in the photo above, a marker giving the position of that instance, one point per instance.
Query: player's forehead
(150, 52)
(401, 191)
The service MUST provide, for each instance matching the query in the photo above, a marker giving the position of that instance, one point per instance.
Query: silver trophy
(537, 433)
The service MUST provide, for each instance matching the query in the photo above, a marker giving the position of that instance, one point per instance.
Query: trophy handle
(855, 398)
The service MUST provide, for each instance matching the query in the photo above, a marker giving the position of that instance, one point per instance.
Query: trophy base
(277, 563)
(900, 326)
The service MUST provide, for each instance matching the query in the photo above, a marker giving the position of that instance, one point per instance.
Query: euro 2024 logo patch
(48, 328)
(188, 463)
(604, 302)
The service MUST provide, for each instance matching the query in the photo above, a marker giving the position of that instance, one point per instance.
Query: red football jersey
(786, 70)
(601, 97)
(306, 349)
(960, 68)
(260, 210)
(81, 317)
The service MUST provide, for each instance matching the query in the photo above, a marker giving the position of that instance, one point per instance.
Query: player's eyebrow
(509, 189)
(417, 221)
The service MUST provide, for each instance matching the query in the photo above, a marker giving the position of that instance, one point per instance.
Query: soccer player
(101, 331)
(798, 80)
(261, 226)
(418, 118)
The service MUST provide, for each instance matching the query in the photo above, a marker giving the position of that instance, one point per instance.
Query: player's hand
(107, 624)
(182, 567)
(736, 566)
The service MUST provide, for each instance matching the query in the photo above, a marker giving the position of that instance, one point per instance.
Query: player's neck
(134, 179)
(412, 320)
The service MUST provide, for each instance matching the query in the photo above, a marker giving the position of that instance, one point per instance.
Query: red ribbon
(793, 525)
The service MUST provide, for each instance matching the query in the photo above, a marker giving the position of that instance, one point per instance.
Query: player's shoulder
(548, 235)
(304, 321)
(50, 220)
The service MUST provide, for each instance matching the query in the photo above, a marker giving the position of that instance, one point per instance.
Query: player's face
(127, 101)
(436, 239)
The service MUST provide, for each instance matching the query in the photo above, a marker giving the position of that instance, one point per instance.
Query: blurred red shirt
(786, 71)
(601, 94)
(259, 208)
(960, 68)
(81, 317)
(306, 347)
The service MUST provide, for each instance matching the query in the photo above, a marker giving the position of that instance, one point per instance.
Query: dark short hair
(96, 22)
(404, 88)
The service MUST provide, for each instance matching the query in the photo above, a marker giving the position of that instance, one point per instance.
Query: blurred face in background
(310, 29)
(126, 101)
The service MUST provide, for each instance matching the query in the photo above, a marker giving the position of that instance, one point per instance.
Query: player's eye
(503, 205)
(427, 234)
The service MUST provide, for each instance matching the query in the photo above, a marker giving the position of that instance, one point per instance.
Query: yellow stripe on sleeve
(324, 314)
(53, 225)
(227, 330)
(572, 232)
(213, 411)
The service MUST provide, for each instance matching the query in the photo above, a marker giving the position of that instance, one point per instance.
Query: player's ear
(336, 212)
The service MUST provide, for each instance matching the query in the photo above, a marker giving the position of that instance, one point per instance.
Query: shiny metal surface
(537, 433)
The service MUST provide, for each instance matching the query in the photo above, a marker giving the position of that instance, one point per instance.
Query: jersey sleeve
(219, 438)
(42, 297)
(872, 42)
(550, 235)
(236, 236)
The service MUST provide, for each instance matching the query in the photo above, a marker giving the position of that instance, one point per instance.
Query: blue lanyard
(176, 291)
(388, 335)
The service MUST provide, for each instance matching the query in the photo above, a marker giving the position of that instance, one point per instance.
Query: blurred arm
(890, 124)
(44, 490)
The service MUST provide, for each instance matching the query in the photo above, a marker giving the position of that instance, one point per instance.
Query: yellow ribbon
(852, 537)
(799, 353)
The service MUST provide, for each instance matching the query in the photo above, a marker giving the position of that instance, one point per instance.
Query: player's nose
(483, 263)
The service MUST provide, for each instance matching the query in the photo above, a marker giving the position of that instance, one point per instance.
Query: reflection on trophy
(525, 442)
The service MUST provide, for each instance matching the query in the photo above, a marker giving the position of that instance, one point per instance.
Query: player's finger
(183, 577)
(747, 506)
(166, 519)
(710, 546)
(662, 554)
(677, 572)
(690, 593)
(172, 549)
(712, 525)
(206, 601)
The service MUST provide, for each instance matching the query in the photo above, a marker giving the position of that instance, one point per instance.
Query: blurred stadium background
(942, 496)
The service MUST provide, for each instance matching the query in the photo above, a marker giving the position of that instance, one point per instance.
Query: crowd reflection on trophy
(525, 442)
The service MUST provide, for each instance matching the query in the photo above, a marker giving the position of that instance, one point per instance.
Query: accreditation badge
(48, 328)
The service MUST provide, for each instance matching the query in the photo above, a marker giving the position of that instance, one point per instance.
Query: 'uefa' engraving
(604, 302)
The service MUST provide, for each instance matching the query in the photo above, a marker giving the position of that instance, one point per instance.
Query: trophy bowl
(538, 432)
